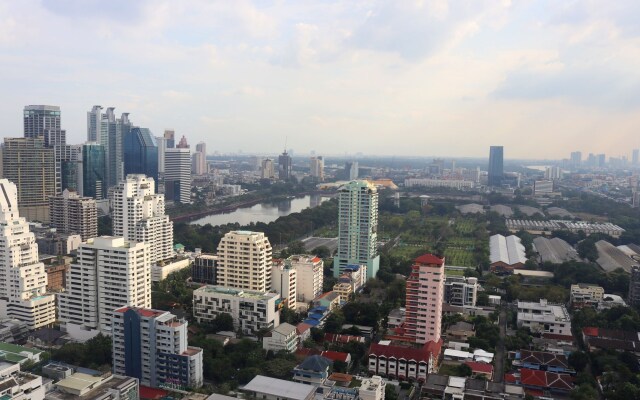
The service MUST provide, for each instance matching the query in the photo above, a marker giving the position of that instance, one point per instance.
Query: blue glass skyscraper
(496, 168)
(94, 171)
(140, 153)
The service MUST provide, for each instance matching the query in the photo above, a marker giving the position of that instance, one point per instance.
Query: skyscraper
(357, 228)
(576, 159)
(244, 261)
(110, 133)
(635, 156)
(316, 168)
(177, 175)
(32, 165)
(199, 164)
(169, 362)
(267, 170)
(284, 166)
(71, 213)
(496, 169)
(93, 176)
(141, 153)
(24, 280)
(138, 215)
(170, 137)
(94, 127)
(38, 118)
(425, 294)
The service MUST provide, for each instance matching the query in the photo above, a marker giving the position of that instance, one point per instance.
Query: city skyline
(378, 78)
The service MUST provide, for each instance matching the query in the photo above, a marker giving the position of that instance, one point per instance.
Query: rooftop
(279, 388)
(244, 293)
(508, 250)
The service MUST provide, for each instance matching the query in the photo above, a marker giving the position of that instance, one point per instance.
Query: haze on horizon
(541, 78)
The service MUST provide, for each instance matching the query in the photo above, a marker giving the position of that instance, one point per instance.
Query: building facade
(357, 228)
(425, 294)
(177, 175)
(316, 168)
(283, 337)
(284, 166)
(70, 213)
(199, 161)
(151, 345)
(23, 292)
(496, 167)
(543, 317)
(140, 153)
(244, 261)
(284, 281)
(204, 269)
(309, 276)
(92, 180)
(461, 291)
(634, 286)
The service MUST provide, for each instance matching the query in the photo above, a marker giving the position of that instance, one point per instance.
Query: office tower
(70, 170)
(284, 166)
(24, 280)
(634, 286)
(70, 213)
(496, 159)
(576, 159)
(109, 273)
(267, 170)
(316, 168)
(591, 160)
(138, 215)
(635, 155)
(244, 261)
(170, 137)
(140, 153)
(357, 227)
(553, 173)
(93, 171)
(94, 124)
(183, 143)
(204, 269)
(309, 276)
(32, 166)
(425, 294)
(162, 148)
(601, 160)
(177, 175)
(354, 170)
(284, 282)
(110, 133)
(199, 162)
(151, 345)
(38, 118)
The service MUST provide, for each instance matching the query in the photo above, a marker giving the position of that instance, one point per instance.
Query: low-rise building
(506, 253)
(461, 291)
(203, 269)
(81, 386)
(16, 384)
(543, 360)
(372, 388)
(161, 269)
(331, 300)
(263, 387)
(543, 317)
(584, 294)
(344, 290)
(283, 337)
(251, 310)
(396, 317)
(314, 370)
(404, 362)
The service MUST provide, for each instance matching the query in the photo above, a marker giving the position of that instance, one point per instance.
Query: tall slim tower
(138, 215)
(357, 228)
(199, 164)
(284, 166)
(496, 167)
(244, 261)
(93, 171)
(635, 156)
(177, 175)
(170, 137)
(111, 135)
(316, 168)
(425, 294)
(94, 119)
(24, 280)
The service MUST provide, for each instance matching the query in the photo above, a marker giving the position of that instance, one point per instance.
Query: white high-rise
(109, 273)
(177, 175)
(138, 215)
(244, 261)
(310, 276)
(316, 167)
(23, 278)
(199, 165)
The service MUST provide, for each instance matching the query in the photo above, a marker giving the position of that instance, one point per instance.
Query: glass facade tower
(141, 153)
(496, 169)
(93, 171)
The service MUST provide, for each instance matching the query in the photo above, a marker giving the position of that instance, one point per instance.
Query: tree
(587, 249)
(390, 392)
(334, 322)
(296, 247)
(464, 370)
(585, 392)
(322, 252)
(578, 360)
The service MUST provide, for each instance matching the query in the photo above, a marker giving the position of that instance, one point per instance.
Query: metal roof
(554, 250)
(279, 388)
(508, 250)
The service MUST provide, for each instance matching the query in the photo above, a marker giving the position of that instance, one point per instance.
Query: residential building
(586, 294)
(263, 387)
(56, 269)
(404, 362)
(109, 273)
(251, 311)
(542, 187)
(244, 261)
(284, 166)
(284, 281)
(309, 276)
(316, 168)
(634, 286)
(56, 244)
(542, 360)
(313, 370)
(506, 253)
(425, 295)
(329, 300)
(344, 290)
(31, 165)
(544, 317)
(357, 228)
(199, 159)
(372, 388)
(267, 170)
(396, 317)
(70, 213)
(355, 276)
(204, 269)
(496, 169)
(151, 345)
(83, 386)
(549, 383)
(20, 385)
(459, 184)
(163, 268)
(282, 337)
(23, 292)
(92, 170)
(138, 215)
(140, 153)
(461, 291)
(177, 175)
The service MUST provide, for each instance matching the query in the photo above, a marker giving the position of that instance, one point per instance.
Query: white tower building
(244, 261)
(177, 175)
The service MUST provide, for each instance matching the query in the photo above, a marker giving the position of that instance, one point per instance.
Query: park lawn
(458, 257)
(401, 251)
(464, 226)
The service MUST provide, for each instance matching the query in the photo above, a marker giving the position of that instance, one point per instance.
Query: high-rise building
(601, 160)
(70, 213)
(177, 175)
(309, 276)
(141, 153)
(199, 162)
(32, 166)
(39, 118)
(244, 261)
(170, 137)
(553, 173)
(24, 280)
(204, 269)
(425, 294)
(284, 282)
(357, 228)
(634, 286)
(635, 156)
(353, 170)
(162, 147)
(151, 345)
(109, 273)
(92, 171)
(316, 168)
(576, 159)
(94, 124)
(138, 215)
(496, 168)
(110, 133)
(284, 166)
(183, 143)
(267, 170)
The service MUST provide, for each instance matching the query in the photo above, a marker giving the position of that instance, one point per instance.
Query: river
(262, 212)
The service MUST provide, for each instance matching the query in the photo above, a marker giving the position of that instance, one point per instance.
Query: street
(498, 373)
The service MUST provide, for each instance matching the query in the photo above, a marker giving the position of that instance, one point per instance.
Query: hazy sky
(541, 78)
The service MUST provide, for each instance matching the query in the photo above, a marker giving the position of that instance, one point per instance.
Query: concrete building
(20, 385)
(542, 187)
(357, 228)
(204, 269)
(461, 291)
(151, 345)
(344, 290)
(110, 133)
(162, 269)
(284, 166)
(506, 253)
(138, 215)
(585, 294)
(313, 370)
(282, 337)
(262, 387)
(544, 317)
(244, 261)
(425, 295)
(284, 282)
(31, 165)
(251, 310)
(23, 292)
(447, 183)
(85, 386)
(267, 169)
(309, 276)
(70, 213)
(177, 175)
(57, 244)
(199, 160)
(372, 388)
(316, 168)
(406, 363)
(496, 169)
(109, 273)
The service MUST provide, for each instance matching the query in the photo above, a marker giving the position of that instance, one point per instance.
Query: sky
(415, 78)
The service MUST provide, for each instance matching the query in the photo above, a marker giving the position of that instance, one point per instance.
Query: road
(311, 243)
(498, 371)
